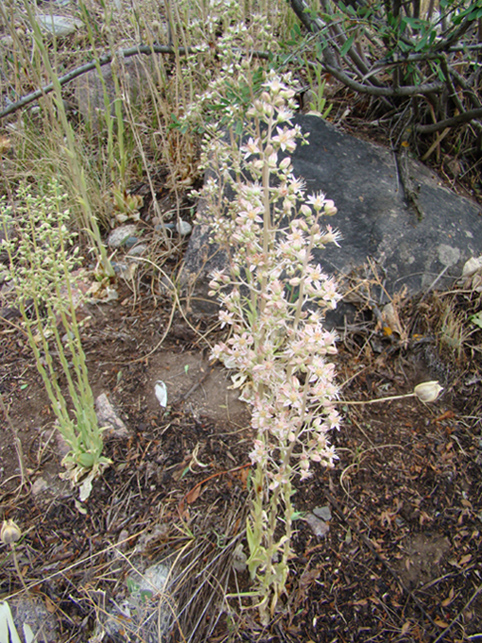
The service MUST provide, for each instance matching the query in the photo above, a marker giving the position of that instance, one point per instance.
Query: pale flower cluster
(229, 67)
(273, 296)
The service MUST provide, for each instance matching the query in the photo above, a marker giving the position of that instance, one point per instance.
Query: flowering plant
(43, 269)
(273, 299)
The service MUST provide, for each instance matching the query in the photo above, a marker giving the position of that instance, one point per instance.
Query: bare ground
(399, 559)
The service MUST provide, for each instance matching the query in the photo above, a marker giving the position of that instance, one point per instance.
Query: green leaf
(250, 537)
(477, 319)
(296, 31)
(297, 515)
(347, 46)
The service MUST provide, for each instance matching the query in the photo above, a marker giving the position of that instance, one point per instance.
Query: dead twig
(213, 475)
(195, 386)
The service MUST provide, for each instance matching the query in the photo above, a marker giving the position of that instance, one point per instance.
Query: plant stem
(16, 439)
(375, 401)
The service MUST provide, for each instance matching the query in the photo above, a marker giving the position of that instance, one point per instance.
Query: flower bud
(330, 208)
(9, 533)
(428, 391)
(285, 163)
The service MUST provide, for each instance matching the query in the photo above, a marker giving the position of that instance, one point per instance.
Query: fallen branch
(147, 50)
(466, 117)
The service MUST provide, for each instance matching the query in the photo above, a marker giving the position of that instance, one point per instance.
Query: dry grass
(140, 132)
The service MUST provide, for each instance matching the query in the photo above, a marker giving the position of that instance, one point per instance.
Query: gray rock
(130, 242)
(119, 236)
(35, 614)
(183, 228)
(59, 26)
(145, 615)
(374, 220)
(323, 512)
(320, 527)
(108, 418)
(133, 75)
(138, 250)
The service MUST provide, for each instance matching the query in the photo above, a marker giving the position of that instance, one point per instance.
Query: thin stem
(17, 569)
(16, 439)
(375, 401)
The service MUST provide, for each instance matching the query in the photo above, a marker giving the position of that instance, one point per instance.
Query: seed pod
(9, 533)
(428, 391)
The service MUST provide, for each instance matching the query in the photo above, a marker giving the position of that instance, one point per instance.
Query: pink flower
(251, 147)
(286, 139)
(225, 318)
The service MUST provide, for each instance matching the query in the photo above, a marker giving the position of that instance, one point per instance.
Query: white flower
(316, 200)
(286, 138)
(284, 115)
(251, 147)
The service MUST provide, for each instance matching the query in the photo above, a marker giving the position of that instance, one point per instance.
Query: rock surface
(373, 217)
(145, 615)
(42, 623)
(59, 26)
(134, 75)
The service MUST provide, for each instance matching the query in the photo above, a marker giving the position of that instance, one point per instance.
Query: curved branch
(315, 25)
(466, 117)
(408, 90)
(147, 50)
(305, 16)
(454, 37)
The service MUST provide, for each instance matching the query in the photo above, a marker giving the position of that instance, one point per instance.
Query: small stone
(183, 227)
(323, 512)
(138, 250)
(120, 235)
(471, 266)
(59, 26)
(108, 418)
(130, 242)
(166, 226)
(320, 527)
